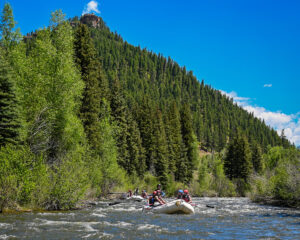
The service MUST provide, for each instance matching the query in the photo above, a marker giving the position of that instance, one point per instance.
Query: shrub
(20, 171)
(67, 184)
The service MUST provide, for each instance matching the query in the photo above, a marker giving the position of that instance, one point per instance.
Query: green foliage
(278, 155)
(49, 74)
(256, 157)
(9, 125)
(189, 146)
(119, 114)
(90, 107)
(9, 36)
(135, 148)
(150, 182)
(68, 183)
(19, 174)
(281, 179)
(159, 153)
(212, 179)
(237, 162)
(174, 138)
(112, 174)
(57, 18)
(145, 75)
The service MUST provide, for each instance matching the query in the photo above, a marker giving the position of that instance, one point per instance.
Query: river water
(231, 218)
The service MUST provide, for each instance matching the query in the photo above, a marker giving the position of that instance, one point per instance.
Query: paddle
(197, 205)
(210, 206)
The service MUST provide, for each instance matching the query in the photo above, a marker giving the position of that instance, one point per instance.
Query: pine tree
(257, 160)
(159, 153)
(136, 151)
(145, 119)
(237, 162)
(119, 114)
(190, 148)
(90, 74)
(9, 120)
(284, 141)
(173, 133)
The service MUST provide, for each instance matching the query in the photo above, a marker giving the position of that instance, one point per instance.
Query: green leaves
(280, 181)
(9, 115)
(9, 36)
(238, 159)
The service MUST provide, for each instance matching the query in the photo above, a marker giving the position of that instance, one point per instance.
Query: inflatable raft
(127, 199)
(135, 198)
(174, 207)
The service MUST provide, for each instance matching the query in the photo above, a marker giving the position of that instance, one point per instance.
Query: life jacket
(152, 200)
(186, 198)
(160, 193)
(179, 196)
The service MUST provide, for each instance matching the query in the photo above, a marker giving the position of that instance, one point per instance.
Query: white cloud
(277, 120)
(241, 101)
(268, 85)
(92, 6)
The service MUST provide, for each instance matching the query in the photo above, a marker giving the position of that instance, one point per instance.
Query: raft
(174, 207)
(135, 198)
(127, 199)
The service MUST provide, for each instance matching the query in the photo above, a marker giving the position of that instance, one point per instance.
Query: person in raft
(136, 192)
(186, 196)
(129, 194)
(159, 194)
(180, 194)
(144, 194)
(159, 189)
(154, 198)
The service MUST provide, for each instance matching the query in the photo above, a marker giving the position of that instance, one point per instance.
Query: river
(231, 218)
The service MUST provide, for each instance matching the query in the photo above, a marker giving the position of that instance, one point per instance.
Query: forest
(84, 113)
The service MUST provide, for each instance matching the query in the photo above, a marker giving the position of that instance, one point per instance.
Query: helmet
(154, 193)
(186, 191)
(180, 191)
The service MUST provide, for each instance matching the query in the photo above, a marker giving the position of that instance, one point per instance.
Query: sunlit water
(231, 218)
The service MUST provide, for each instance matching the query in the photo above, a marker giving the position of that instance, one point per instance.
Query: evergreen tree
(9, 119)
(159, 153)
(145, 119)
(190, 148)
(112, 174)
(237, 162)
(90, 74)
(135, 149)
(173, 133)
(284, 141)
(119, 114)
(256, 156)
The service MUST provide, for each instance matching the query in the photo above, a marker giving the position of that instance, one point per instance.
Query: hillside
(146, 76)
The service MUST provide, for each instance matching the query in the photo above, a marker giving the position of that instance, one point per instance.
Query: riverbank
(81, 205)
(93, 202)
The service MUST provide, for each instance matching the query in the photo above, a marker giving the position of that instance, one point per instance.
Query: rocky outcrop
(90, 20)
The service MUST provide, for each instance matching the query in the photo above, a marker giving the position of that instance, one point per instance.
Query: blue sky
(248, 49)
